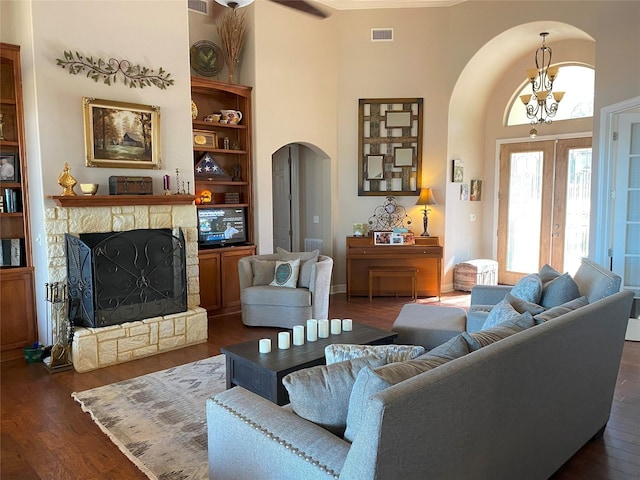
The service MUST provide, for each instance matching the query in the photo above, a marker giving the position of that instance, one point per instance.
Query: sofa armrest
(250, 437)
(488, 294)
(320, 286)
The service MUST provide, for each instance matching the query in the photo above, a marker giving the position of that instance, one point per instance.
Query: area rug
(159, 420)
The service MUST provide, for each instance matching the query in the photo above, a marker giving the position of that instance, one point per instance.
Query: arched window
(578, 83)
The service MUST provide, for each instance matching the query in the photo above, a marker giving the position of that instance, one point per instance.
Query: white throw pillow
(286, 274)
(340, 352)
(307, 260)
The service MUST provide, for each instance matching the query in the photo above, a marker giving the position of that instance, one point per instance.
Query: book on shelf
(11, 201)
(11, 252)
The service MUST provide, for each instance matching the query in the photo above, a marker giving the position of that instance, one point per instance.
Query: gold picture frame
(121, 135)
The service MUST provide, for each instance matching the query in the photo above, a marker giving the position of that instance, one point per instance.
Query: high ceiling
(361, 4)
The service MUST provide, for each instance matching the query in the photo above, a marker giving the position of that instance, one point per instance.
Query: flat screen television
(220, 227)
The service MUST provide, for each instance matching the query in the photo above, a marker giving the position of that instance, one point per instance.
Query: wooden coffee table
(262, 373)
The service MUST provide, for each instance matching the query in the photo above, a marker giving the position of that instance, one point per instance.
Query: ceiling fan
(300, 5)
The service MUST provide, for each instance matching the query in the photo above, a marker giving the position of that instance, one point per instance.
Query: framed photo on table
(121, 135)
(382, 238)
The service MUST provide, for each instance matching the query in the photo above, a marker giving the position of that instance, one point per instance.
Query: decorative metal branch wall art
(135, 76)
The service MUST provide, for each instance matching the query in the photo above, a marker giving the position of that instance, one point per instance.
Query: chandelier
(542, 104)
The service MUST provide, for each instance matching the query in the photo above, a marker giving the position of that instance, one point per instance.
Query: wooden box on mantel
(475, 272)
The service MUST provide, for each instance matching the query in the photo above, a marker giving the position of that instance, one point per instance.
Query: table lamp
(426, 198)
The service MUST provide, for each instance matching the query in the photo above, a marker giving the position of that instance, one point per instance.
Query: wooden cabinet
(17, 307)
(425, 256)
(222, 158)
(219, 281)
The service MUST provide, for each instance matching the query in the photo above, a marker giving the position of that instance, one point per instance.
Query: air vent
(199, 6)
(382, 34)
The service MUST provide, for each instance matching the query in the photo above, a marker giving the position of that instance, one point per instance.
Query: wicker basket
(475, 272)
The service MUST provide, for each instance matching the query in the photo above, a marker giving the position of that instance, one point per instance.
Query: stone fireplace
(103, 346)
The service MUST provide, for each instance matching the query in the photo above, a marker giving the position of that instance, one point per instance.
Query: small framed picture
(397, 239)
(464, 191)
(476, 191)
(457, 171)
(9, 167)
(397, 118)
(375, 169)
(403, 157)
(382, 238)
(205, 139)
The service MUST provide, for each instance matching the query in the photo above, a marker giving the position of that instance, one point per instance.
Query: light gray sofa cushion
(505, 329)
(522, 306)
(340, 352)
(266, 295)
(307, 259)
(558, 291)
(371, 381)
(561, 309)
(321, 394)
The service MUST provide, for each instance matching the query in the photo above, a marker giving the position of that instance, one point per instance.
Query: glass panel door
(544, 206)
(626, 246)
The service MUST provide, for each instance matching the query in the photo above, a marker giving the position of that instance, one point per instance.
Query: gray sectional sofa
(516, 408)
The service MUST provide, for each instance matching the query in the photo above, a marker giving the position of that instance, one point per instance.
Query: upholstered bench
(428, 325)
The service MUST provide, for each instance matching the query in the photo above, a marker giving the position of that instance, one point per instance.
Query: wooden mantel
(120, 200)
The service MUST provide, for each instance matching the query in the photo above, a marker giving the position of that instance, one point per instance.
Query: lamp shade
(426, 197)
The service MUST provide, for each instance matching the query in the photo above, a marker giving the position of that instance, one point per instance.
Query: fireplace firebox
(121, 277)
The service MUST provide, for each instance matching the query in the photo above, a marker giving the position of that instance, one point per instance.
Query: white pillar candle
(336, 326)
(347, 324)
(298, 335)
(264, 345)
(323, 328)
(284, 340)
(312, 330)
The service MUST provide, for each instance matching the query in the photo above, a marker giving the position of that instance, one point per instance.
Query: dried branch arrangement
(232, 31)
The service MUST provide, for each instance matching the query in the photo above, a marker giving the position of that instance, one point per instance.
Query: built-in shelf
(120, 200)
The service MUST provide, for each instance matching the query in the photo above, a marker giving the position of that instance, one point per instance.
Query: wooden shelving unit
(17, 308)
(219, 281)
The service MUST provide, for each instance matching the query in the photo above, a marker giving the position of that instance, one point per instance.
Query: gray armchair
(270, 306)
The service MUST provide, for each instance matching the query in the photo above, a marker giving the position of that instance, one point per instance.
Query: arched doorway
(301, 178)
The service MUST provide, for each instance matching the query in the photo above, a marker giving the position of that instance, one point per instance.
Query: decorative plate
(206, 58)
(194, 110)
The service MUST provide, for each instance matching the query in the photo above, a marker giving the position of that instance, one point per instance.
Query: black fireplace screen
(120, 277)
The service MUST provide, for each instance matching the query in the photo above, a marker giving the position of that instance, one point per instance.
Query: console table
(425, 256)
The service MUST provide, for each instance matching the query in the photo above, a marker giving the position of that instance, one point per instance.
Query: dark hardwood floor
(46, 435)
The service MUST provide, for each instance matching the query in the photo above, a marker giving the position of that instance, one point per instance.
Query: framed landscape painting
(118, 134)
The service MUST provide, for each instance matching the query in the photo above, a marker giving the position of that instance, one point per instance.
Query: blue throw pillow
(528, 288)
(548, 273)
(501, 312)
(560, 290)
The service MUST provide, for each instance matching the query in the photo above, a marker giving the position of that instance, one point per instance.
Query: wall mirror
(389, 146)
